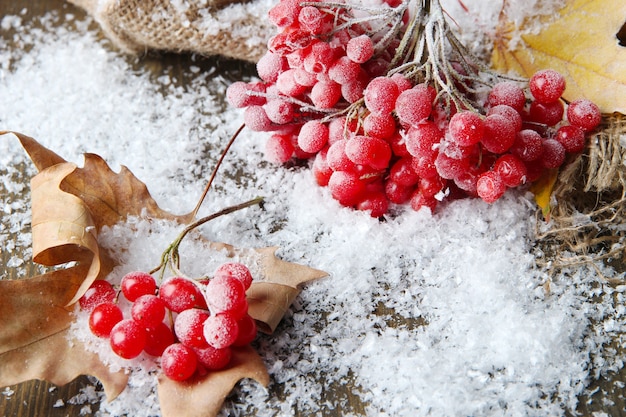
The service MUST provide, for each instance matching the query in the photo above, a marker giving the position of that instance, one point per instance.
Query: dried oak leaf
(70, 206)
(581, 43)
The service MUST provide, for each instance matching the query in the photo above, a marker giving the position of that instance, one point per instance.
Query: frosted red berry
(180, 294)
(103, 317)
(127, 339)
(135, 284)
(100, 291)
(178, 362)
(547, 86)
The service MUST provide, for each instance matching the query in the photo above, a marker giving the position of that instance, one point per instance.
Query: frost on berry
(346, 187)
(369, 151)
(360, 49)
(547, 86)
(235, 270)
(214, 359)
(499, 134)
(180, 294)
(188, 327)
(490, 187)
(221, 330)
(279, 148)
(380, 95)
(584, 114)
(99, 292)
(553, 154)
(508, 93)
(466, 128)
(138, 283)
(270, 65)
(413, 106)
(225, 293)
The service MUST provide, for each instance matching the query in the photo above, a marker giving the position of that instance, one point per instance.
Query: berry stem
(214, 173)
(171, 256)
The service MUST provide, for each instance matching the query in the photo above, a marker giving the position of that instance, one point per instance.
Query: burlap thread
(229, 28)
(587, 225)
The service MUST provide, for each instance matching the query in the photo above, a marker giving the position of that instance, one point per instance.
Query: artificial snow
(421, 314)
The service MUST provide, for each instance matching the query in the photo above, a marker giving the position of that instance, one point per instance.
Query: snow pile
(421, 315)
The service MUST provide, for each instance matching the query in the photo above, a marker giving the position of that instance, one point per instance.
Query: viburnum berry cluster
(191, 325)
(392, 109)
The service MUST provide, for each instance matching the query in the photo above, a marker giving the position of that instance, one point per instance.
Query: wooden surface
(37, 398)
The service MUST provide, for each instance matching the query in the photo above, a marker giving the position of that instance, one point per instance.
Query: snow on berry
(361, 79)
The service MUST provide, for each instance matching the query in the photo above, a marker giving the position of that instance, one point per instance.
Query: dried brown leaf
(204, 397)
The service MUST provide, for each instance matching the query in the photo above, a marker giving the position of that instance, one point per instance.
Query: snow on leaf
(581, 43)
(70, 205)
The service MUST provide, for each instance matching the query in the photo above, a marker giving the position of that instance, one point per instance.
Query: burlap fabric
(234, 29)
(587, 221)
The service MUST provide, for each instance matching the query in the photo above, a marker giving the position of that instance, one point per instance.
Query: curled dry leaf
(581, 43)
(70, 205)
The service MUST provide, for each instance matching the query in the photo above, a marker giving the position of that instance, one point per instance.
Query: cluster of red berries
(206, 319)
(377, 137)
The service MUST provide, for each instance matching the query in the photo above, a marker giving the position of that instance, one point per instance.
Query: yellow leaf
(542, 189)
(581, 43)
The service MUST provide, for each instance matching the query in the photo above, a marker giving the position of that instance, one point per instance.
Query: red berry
(419, 201)
(214, 359)
(178, 362)
(509, 93)
(128, 339)
(247, 331)
(221, 330)
(584, 114)
(369, 151)
(189, 327)
(284, 13)
(279, 148)
(136, 284)
(499, 134)
(509, 113)
(226, 293)
(528, 145)
(423, 139)
(313, 136)
(572, 138)
(360, 49)
(180, 294)
(548, 114)
(490, 186)
(235, 270)
(103, 317)
(553, 154)
(466, 128)
(380, 95)
(511, 170)
(148, 310)
(376, 203)
(158, 339)
(414, 105)
(547, 86)
(382, 126)
(100, 291)
(346, 187)
(270, 65)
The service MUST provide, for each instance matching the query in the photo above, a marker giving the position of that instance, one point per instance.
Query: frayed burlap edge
(233, 29)
(588, 220)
